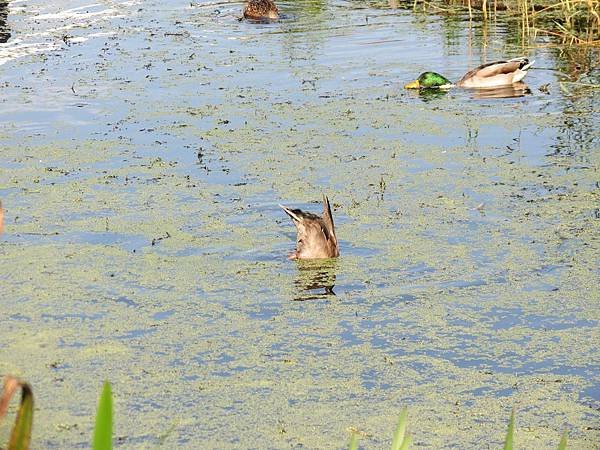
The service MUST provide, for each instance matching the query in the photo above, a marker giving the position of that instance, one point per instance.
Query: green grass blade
(21, 432)
(400, 430)
(407, 441)
(103, 430)
(508, 443)
(563, 442)
(353, 441)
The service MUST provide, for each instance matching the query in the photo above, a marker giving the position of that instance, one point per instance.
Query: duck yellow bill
(412, 85)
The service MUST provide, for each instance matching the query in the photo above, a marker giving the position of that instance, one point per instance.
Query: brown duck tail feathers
(328, 217)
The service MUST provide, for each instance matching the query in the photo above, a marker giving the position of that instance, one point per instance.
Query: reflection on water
(4, 32)
(315, 279)
(576, 62)
(516, 90)
(429, 94)
(305, 9)
(303, 36)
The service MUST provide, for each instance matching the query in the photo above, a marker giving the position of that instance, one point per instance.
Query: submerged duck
(499, 73)
(261, 10)
(316, 235)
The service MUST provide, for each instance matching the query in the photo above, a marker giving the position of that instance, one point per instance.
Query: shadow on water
(4, 31)
(315, 279)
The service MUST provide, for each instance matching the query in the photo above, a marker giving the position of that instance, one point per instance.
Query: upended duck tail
(525, 63)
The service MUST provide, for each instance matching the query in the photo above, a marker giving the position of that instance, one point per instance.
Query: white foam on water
(18, 48)
(38, 27)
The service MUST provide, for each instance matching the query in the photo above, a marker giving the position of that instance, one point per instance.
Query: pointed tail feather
(527, 66)
(328, 217)
(291, 213)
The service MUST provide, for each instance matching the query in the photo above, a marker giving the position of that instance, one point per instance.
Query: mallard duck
(499, 73)
(315, 235)
(261, 10)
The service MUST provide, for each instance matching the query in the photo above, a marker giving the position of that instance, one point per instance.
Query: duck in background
(315, 234)
(494, 74)
(261, 10)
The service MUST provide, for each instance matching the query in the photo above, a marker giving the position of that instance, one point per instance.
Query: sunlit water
(145, 148)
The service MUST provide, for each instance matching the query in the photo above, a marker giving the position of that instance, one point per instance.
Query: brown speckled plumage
(315, 235)
(261, 10)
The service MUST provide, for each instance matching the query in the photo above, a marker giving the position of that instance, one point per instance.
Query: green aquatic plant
(353, 441)
(401, 439)
(563, 442)
(104, 420)
(508, 442)
(20, 436)
(21, 432)
(510, 435)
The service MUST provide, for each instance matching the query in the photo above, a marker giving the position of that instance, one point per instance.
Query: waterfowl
(261, 10)
(499, 73)
(315, 234)
(1, 218)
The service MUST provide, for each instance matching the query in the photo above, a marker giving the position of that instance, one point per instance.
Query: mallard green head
(429, 80)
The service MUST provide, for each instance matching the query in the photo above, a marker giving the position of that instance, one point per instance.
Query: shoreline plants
(571, 22)
(20, 437)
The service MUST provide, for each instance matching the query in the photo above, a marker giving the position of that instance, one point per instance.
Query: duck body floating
(494, 74)
(316, 237)
(261, 10)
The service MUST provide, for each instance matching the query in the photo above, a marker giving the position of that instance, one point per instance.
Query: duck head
(315, 235)
(429, 80)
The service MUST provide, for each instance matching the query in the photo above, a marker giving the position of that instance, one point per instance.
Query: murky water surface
(144, 149)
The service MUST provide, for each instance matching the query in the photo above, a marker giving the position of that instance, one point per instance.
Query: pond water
(145, 147)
